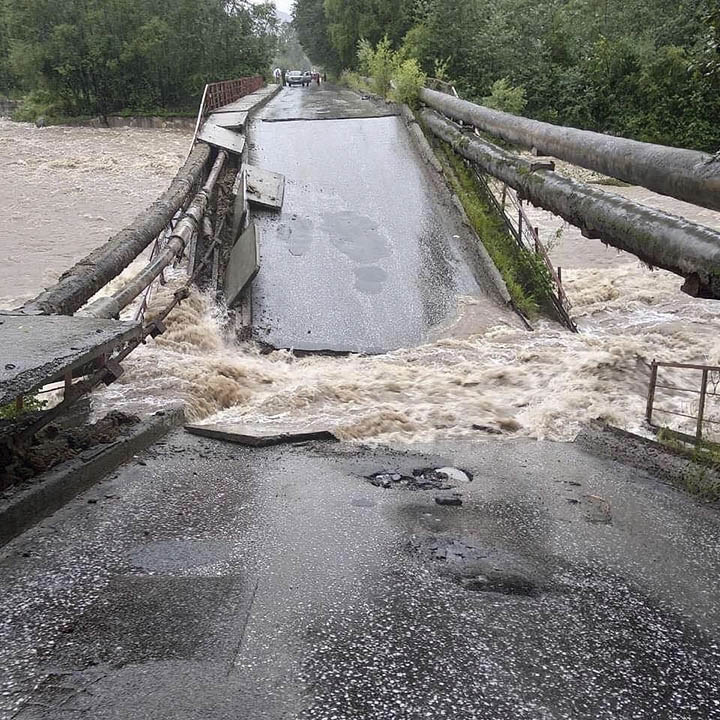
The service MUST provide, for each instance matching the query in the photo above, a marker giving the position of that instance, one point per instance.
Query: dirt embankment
(21, 464)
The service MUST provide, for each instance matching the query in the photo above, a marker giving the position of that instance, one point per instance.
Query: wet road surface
(368, 253)
(205, 581)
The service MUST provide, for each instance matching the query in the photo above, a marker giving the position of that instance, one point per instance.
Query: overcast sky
(284, 5)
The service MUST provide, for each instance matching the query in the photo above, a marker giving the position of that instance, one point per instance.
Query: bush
(408, 79)
(39, 103)
(382, 63)
(365, 54)
(503, 96)
(352, 80)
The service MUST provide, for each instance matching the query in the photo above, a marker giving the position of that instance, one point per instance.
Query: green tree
(101, 56)
(313, 32)
(503, 96)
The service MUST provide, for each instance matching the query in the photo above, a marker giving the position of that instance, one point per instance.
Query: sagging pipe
(180, 238)
(88, 276)
(683, 174)
(656, 237)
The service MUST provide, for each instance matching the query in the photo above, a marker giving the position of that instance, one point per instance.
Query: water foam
(503, 381)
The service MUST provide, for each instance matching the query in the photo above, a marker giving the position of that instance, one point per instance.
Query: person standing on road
(278, 75)
(283, 73)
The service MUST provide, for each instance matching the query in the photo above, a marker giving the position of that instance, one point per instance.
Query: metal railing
(224, 93)
(528, 239)
(709, 386)
(217, 95)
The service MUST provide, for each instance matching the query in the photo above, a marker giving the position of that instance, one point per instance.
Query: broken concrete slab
(39, 349)
(256, 436)
(249, 103)
(264, 188)
(231, 120)
(222, 138)
(244, 264)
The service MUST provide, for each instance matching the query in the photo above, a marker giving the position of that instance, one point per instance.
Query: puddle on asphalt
(477, 568)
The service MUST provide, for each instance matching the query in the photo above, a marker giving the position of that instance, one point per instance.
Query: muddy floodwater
(65, 190)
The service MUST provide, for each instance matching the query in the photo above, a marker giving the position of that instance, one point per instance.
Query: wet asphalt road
(206, 582)
(368, 254)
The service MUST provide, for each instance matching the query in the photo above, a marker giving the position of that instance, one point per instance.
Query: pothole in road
(444, 478)
(480, 569)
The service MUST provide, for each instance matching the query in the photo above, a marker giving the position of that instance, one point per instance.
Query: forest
(646, 69)
(94, 57)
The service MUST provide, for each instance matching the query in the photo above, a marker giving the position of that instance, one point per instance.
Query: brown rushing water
(67, 189)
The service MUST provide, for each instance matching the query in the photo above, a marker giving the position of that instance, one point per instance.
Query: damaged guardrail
(709, 386)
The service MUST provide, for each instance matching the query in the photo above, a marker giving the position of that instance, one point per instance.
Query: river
(67, 189)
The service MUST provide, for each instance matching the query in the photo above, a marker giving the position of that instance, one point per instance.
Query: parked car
(295, 77)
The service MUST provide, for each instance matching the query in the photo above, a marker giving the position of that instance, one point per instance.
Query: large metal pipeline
(658, 238)
(684, 174)
(180, 238)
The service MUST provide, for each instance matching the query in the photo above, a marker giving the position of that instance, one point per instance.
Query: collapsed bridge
(59, 338)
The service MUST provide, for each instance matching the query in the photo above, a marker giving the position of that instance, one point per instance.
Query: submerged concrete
(369, 253)
(208, 581)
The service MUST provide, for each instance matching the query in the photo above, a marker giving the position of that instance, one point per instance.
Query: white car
(295, 77)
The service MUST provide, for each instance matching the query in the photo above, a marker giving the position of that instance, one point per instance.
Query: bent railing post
(701, 406)
(651, 393)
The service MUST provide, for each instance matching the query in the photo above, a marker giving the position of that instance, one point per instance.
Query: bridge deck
(368, 254)
(39, 349)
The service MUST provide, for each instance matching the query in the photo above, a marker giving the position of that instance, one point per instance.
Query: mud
(55, 444)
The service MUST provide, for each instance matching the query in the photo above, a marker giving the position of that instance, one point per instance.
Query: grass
(526, 277)
(702, 477)
(12, 412)
(354, 81)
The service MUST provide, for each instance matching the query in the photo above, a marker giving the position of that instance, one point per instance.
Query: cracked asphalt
(209, 581)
